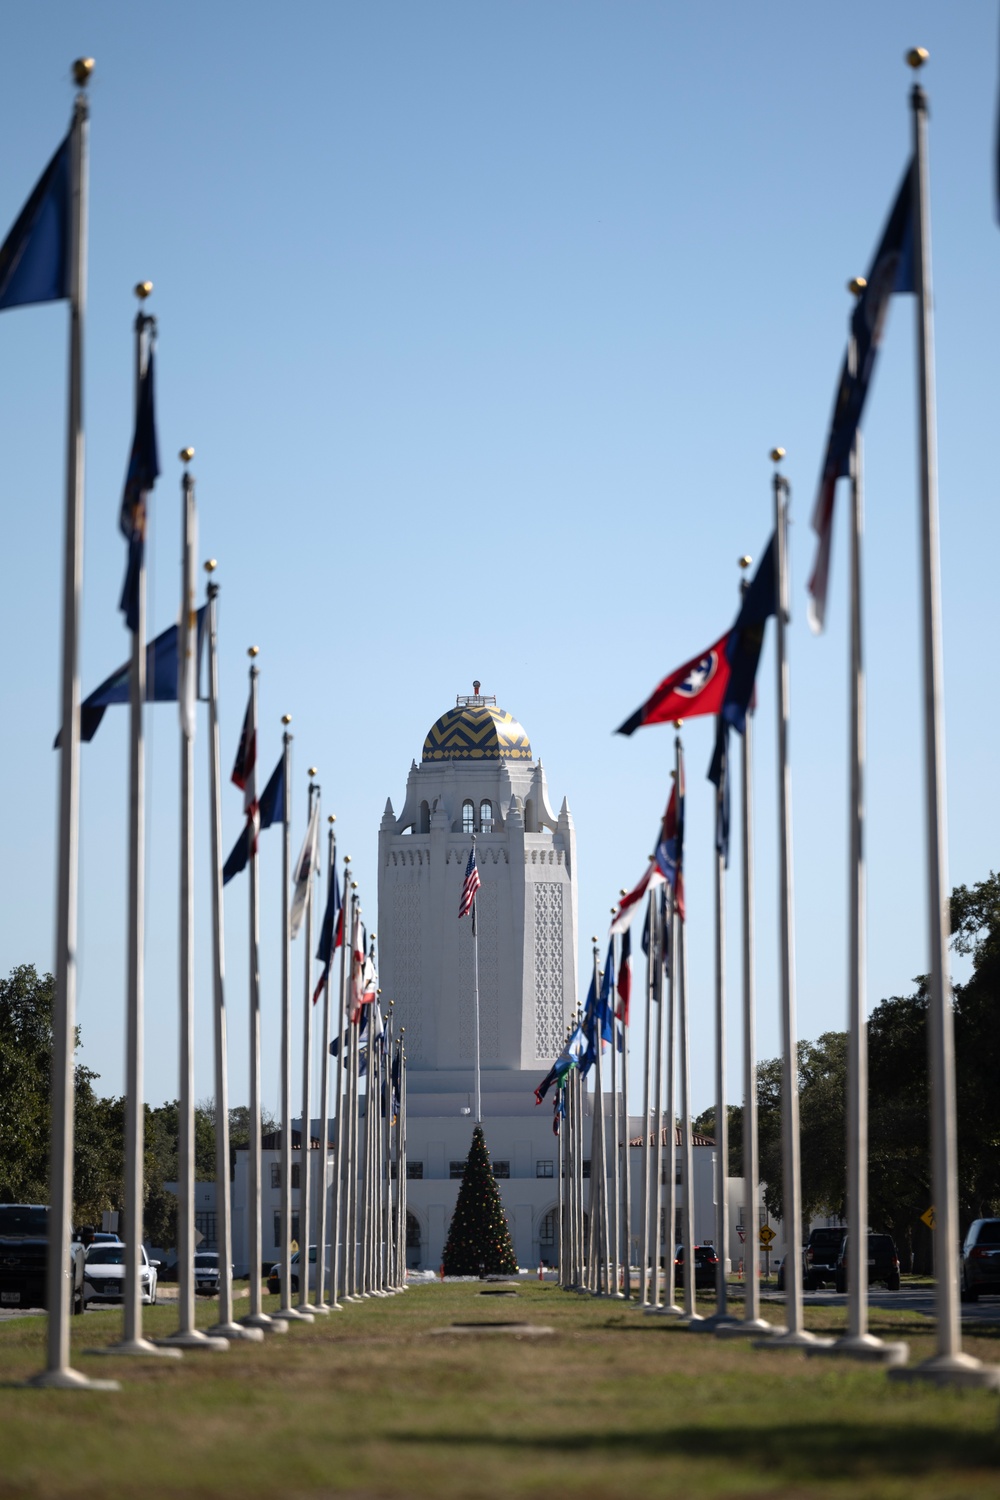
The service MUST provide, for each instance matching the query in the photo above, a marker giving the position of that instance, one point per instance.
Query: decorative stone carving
(549, 1022)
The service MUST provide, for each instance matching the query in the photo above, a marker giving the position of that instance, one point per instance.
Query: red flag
(698, 687)
(651, 878)
(624, 977)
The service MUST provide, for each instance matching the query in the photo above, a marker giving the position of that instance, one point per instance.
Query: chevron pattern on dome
(474, 733)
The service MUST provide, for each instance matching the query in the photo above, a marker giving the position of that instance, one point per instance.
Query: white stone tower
(477, 775)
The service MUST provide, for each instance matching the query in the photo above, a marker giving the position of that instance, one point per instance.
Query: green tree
(478, 1238)
(26, 1001)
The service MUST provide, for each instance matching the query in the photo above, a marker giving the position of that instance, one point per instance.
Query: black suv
(24, 1254)
(981, 1259)
(883, 1262)
(705, 1264)
(820, 1257)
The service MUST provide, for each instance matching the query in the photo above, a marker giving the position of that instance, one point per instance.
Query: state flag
(698, 687)
(35, 258)
(143, 469)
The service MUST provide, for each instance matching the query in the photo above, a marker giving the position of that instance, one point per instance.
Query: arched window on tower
(486, 816)
(424, 821)
(530, 821)
(468, 816)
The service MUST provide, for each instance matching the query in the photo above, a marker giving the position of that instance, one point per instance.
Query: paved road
(917, 1300)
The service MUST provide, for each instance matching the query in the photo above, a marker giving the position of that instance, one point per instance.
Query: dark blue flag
(143, 468)
(272, 810)
(34, 258)
(606, 1004)
(161, 680)
(718, 772)
(330, 933)
(747, 637)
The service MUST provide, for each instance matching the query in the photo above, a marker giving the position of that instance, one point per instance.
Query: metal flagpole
(305, 1134)
(401, 1153)
(256, 1318)
(626, 1203)
(133, 1342)
(475, 988)
(226, 1327)
(645, 1252)
(340, 1146)
(949, 1365)
(669, 948)
(324, 1104)
(679, 967)
(287, 1312)
(656, 1146)
(795, 1336)
(351, 1197)
(58, 1373)
(616, 1202)
(187, 1335)
(752, 1322)
(722, 1314)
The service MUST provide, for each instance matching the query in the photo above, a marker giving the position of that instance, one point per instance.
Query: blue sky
(482, 321)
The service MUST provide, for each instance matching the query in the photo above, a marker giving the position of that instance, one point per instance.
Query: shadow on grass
(837, 1449)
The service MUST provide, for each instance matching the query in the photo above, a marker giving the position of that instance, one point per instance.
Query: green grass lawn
(367, 1403)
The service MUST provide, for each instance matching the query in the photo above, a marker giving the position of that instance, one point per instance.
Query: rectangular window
(296, 1174)
(501, 1169)
(586, 1169)
(415, 1170)
(208, 1225)
(276, 1174)
(277, 1229)
(456, 1169)
(543, 1169)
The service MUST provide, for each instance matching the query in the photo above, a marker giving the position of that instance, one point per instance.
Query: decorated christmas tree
(478, 1239)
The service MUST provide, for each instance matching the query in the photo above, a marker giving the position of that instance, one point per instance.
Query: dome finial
(476, 686)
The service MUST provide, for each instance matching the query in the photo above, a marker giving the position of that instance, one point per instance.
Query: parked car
(705, 1264)
(883, 1262)
(24, 1257)
(206, 1272)
(104, 1274)
(980, 1263)
(819, 1257)
(274, 1278)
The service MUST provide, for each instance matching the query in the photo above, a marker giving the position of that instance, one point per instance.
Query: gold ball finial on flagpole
(314, 770)
(143, 289)
(623, 892)
(186, 455)
(286, 718)
(917, 56)
(745, 561)
(347, 859)
(777, 454)
(332, 818)
(253, 651)
(856, 285)
(82, 69)
(211, 565)
(678, 723)
(354, 886)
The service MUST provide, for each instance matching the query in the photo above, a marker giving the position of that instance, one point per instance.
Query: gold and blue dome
(476, 731)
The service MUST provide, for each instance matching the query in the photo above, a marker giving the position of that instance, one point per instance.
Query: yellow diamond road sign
(766, 1235)
(928, 1217)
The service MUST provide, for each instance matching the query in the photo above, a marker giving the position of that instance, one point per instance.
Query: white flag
(305, 865)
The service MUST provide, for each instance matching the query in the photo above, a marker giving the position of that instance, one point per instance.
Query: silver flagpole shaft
(949, 1365)
(645, 1253)
(324, 1105)
(721, 1315)
(58, 1373)
(616, 1197)
(670, 1105)
(656, 1234)
(347, 928)
(305, 1170)
(286, 1311)
(626, 1204)
(475, 989)
(752, 1322)
(187, 1335)
(226, 1327)
(687, 1198)
(796, 1335)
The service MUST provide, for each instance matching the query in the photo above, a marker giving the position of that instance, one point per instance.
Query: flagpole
(949, 1365)
(305, 1134)
(645, 1252)
(616, 1216)
(795, 1336)
(324, 1101)
(286, 1312)
(656, 1144)
(187, 1335)
(132, 1342)
(58, 1373)
(752, 1322)
(669, 948)
(475, 988)
(626, 1206)
(225, 1327)
(347, 929)
(256, 1318)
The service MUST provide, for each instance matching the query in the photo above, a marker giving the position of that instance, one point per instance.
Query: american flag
(470, 885)
(244, 772)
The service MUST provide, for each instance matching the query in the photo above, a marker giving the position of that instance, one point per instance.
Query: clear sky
(482, 320)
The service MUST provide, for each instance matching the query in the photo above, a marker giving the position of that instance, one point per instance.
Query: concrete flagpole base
(744, 1329)
(267, 1323)
(294, 1315)
(309, 1308)
(138, 1349)
(865, 1347)
(713, 1323)
(669, 1310)
(785, 1339)
(951, 1369)
(190, 1338)
(235, 1332)
(68, 1380)
(319, 1309)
